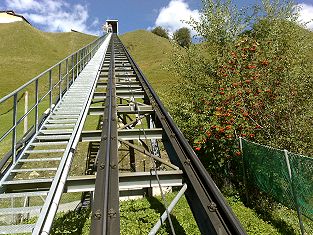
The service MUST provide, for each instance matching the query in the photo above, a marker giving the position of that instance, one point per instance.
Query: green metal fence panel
(286, 177)
(302, 179)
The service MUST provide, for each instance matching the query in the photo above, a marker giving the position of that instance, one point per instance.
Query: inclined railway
(134, 148)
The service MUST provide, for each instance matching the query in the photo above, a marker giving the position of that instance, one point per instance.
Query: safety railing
(47, 89)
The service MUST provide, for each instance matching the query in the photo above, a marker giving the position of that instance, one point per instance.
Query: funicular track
(135, 150)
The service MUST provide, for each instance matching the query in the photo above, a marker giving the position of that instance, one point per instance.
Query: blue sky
(88, 16)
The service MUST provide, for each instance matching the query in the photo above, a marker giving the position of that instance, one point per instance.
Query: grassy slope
(34, 51)
(152, 54)
(26, 51)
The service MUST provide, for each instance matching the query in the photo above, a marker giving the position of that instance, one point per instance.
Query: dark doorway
(114, 25)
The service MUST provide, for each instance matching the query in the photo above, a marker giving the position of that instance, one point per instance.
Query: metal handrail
(49, 209)
(47, 70)
(74, 64)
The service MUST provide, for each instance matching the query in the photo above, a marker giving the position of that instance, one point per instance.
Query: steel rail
(105, 212)
(212, 213)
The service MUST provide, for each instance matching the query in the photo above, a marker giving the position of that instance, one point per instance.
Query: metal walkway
(135, 150)
(53, 144)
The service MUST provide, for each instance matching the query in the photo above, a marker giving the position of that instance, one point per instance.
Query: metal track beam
(105, 212)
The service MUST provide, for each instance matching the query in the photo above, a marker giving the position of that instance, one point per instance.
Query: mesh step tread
(24, 194)
(20, 228)
(19, 210)
(41, 159)
(61, 116)
(56, 131)
(49, 143)
(67, 112)
(59, 125)
(53, 137)
(45, 151)
(58, 121)
(34, 169)
(10, 182)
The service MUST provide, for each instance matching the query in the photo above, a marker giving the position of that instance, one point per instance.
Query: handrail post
(60, 82)
(293, 191)
(25, 111)
(50, 90)
(14, 128)
(36, 108)
(88, 52)
(72, 69)
(85, 59)
(82, 60)
(76, 65)
(66, 65)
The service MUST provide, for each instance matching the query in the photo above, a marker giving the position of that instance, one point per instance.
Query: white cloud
(174, 15)
(56, 15)
(306, 14)
(23, 5)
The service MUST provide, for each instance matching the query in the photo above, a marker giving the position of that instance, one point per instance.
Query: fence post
(293, 191)
(244, 171)
(25, 111)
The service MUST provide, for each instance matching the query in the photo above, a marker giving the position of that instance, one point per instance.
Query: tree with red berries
(245, 83)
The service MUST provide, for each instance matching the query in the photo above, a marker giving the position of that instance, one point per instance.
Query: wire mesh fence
(283, 176)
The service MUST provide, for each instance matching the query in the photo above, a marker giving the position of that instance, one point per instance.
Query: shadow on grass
(159, 207)
(282, 226)
(71, 222)
(264, 207)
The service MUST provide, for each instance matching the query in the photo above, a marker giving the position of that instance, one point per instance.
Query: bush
(182, 37)
(160, 32)
(251, 83)
(71, 222)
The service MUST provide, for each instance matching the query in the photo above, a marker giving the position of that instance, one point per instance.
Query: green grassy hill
(152, 54)
(26, 51)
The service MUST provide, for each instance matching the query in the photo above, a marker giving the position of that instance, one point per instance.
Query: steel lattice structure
(134, 129)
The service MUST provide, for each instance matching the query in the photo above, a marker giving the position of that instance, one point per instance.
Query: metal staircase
(102, 80)
(48, 155)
